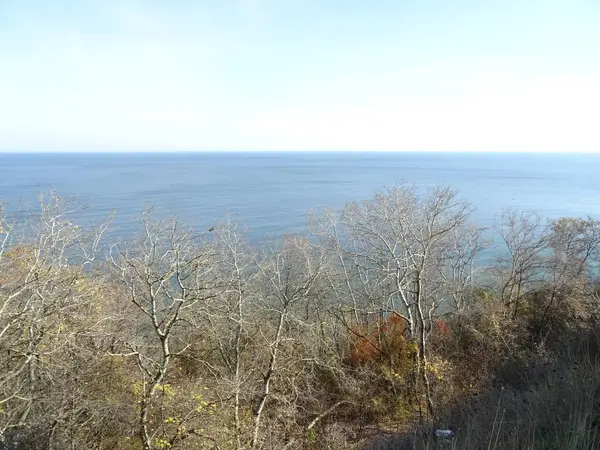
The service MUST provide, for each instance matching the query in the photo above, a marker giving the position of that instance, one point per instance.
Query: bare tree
(395, 258)
(44, 296)
(460, 269)
(575, 245)
(231, 319)
(289, 272)
(167, 276)
(180, 341)
(340, 274)
(524, 238)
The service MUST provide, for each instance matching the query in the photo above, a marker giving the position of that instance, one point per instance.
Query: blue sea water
(272, 193)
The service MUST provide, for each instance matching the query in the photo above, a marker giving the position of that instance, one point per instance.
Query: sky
(187, 75)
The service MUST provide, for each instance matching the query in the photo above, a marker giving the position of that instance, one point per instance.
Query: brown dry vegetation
(374, 331)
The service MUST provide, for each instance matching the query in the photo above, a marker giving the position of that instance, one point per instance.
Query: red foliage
(383, 341)
(443, 327)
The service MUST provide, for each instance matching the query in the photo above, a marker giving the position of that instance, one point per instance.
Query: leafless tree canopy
(171, 339)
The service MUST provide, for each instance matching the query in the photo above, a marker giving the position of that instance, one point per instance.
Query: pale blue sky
(148, 75)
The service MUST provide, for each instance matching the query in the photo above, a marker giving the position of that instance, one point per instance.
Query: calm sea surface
(272, 193)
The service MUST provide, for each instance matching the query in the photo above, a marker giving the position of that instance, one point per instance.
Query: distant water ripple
(272, 193)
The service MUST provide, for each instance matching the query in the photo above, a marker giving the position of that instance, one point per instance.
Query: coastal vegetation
(390, 319)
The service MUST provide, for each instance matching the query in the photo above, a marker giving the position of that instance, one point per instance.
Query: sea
(272, 193)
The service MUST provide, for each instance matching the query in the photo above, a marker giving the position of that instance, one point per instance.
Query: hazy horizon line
(541, 152)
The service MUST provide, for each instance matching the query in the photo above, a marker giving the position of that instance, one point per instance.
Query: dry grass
(550, 402)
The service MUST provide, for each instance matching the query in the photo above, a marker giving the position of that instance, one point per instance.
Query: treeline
(378, 326)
